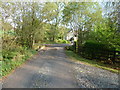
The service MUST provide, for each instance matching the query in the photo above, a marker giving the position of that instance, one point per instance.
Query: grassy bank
(76, 57)
(9, 64)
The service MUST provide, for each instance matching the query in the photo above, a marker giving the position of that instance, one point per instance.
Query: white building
(71, 36)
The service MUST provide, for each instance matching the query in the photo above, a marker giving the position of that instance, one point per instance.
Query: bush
(13, 57)
(97, 50)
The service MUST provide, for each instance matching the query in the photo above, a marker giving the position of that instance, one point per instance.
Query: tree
(82, 17)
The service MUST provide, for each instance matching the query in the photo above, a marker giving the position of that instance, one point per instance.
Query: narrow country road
(51, 68)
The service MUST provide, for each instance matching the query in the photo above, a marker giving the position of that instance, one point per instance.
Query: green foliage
(98, 46)
(106, 32)
(13, 59)
(97, 50)
(62, 41)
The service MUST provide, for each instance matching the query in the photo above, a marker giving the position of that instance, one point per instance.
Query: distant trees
(33, 22)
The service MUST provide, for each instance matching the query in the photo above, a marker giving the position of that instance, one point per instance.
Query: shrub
(13, 57)
(97, 50)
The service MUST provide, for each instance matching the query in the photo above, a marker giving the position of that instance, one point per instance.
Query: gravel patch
(93, 77)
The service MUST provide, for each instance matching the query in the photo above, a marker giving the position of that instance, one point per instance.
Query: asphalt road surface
(51, 68)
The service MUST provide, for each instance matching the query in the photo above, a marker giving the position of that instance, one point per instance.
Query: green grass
(76, 57)
(8, 65)
(60, 41)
